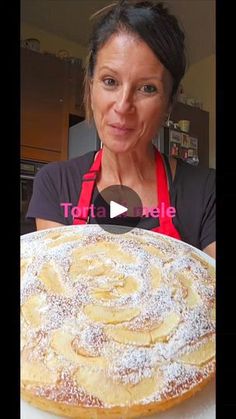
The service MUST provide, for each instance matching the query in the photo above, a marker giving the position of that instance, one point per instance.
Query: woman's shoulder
(189, 173)
(75, 166)
(193, 183)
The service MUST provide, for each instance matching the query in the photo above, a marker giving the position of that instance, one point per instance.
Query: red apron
(88, 183)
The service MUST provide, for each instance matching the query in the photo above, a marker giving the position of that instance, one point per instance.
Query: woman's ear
(176, 95)
(167, 118)
(168, 111)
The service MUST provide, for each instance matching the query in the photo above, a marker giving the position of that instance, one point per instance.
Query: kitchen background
(54, 38)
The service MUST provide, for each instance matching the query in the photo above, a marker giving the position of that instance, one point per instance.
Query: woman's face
(130, 93)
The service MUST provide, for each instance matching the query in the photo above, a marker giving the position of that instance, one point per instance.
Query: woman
(135, 64)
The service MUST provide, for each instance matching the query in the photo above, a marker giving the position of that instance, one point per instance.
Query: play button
(116, 206)
(116, 209)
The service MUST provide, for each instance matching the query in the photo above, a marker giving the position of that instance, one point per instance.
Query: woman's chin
(119, 146)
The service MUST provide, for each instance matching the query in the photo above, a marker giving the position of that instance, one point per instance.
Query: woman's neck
(130, 168)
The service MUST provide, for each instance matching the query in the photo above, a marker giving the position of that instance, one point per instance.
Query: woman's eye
(109, 82)
(148, 88)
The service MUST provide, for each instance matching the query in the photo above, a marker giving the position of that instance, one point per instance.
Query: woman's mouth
(120, 130)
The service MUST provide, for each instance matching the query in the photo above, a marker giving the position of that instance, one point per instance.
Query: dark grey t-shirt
(192, 194)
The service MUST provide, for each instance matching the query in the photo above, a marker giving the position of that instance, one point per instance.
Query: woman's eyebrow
(151, 77)
(105, 67)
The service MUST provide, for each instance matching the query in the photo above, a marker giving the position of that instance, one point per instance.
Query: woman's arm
(44, 205)
(211, 250)
(44, 224)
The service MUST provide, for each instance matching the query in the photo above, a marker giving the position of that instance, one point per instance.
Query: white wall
(52, 43)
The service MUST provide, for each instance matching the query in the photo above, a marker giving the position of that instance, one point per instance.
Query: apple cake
(114, 325)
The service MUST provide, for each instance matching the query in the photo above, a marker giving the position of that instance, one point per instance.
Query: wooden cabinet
(49, 93)
(199, 128)
(76, 89)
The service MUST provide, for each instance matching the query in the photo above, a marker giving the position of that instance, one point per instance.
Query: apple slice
(62, 343)
(51, 279)
(192, 297)
(24, 263)
(129, 337)
(113, 393)
(130, 286)
(162, 332)
(31, 309)
(109, 314)
(37, 373)
(201, 355)
(155, 277)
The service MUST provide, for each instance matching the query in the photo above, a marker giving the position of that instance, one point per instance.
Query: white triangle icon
(116, 209)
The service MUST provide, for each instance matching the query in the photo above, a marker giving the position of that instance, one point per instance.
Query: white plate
(200, 406)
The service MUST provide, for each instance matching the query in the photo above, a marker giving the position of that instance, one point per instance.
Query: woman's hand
(44, 224)
(211, 250)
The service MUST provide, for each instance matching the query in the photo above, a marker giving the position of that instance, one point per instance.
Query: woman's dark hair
(150, 22)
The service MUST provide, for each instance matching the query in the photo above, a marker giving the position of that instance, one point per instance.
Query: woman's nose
(124, 101)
